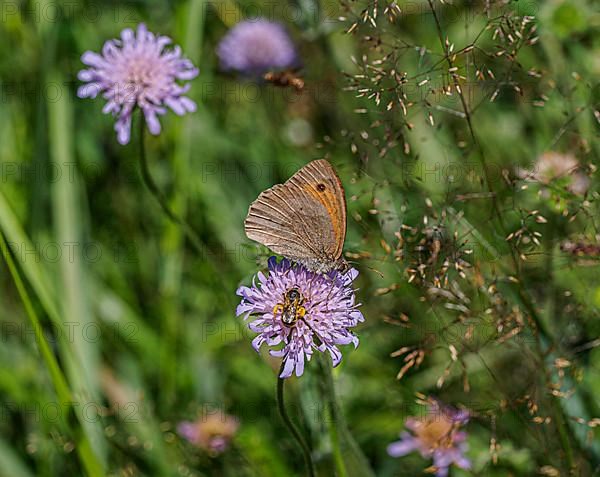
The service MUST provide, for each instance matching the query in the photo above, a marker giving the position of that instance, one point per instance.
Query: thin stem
(335, 417)
(160, 197)
(348, 457)
(526, 300)
(466, 111)
(58, 379)
(291, 427)
(561, 424)
(559, 414)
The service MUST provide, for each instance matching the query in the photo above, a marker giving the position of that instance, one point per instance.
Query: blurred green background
(143, 326)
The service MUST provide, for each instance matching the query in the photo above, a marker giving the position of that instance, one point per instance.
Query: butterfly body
(303, 219)
(325, 264)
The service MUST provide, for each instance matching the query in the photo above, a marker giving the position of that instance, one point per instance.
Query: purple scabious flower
(137, 71)
(298, 311)
(256, 47)
(212, 433)
(436, 436)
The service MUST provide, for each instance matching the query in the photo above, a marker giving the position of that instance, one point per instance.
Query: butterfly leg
(301, 313)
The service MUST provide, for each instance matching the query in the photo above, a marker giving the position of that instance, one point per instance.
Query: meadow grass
(478, 281)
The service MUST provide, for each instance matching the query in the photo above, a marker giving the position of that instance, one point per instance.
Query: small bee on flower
(298, 311)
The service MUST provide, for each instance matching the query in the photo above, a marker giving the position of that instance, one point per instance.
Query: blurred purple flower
(436, 436)
(555, 166)
(326, 308)
(212, 432)
(135, 71)
(256, 47)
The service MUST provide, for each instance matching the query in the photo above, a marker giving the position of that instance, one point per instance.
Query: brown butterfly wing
(304, 218)
(319, 182)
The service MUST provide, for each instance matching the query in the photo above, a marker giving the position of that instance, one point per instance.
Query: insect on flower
(296, 312)
(287, 78)
(291, 310)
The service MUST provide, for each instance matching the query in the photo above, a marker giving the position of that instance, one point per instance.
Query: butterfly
(303, 219)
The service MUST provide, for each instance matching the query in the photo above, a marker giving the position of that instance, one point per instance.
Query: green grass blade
(11, 464)
(72, 293)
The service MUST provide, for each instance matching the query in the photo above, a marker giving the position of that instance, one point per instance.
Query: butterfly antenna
(354, 262)
(375, 270)
(193, 237)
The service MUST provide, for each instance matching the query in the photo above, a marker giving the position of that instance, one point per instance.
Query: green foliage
(481, 285)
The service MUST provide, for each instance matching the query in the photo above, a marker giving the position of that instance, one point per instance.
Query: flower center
(141, 80)
(139, 77)
(435, 433)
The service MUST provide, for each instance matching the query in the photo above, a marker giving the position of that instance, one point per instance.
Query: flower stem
(291, 427)
(160, 197)
(560, 417)
(348, 458)
(334, 417)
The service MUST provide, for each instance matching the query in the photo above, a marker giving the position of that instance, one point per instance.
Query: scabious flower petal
(188, 430)
(258, 342)
(336, 355)
(123, 126)
(90, 58)
(254, 47)
(330, 311)
(460, 460)
(136, 71)
(405, 445)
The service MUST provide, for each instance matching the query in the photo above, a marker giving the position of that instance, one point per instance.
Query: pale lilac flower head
(555, 166)
(436, 436)
(319, 319)
(254, 47)
(211, 432)
(137, 71)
